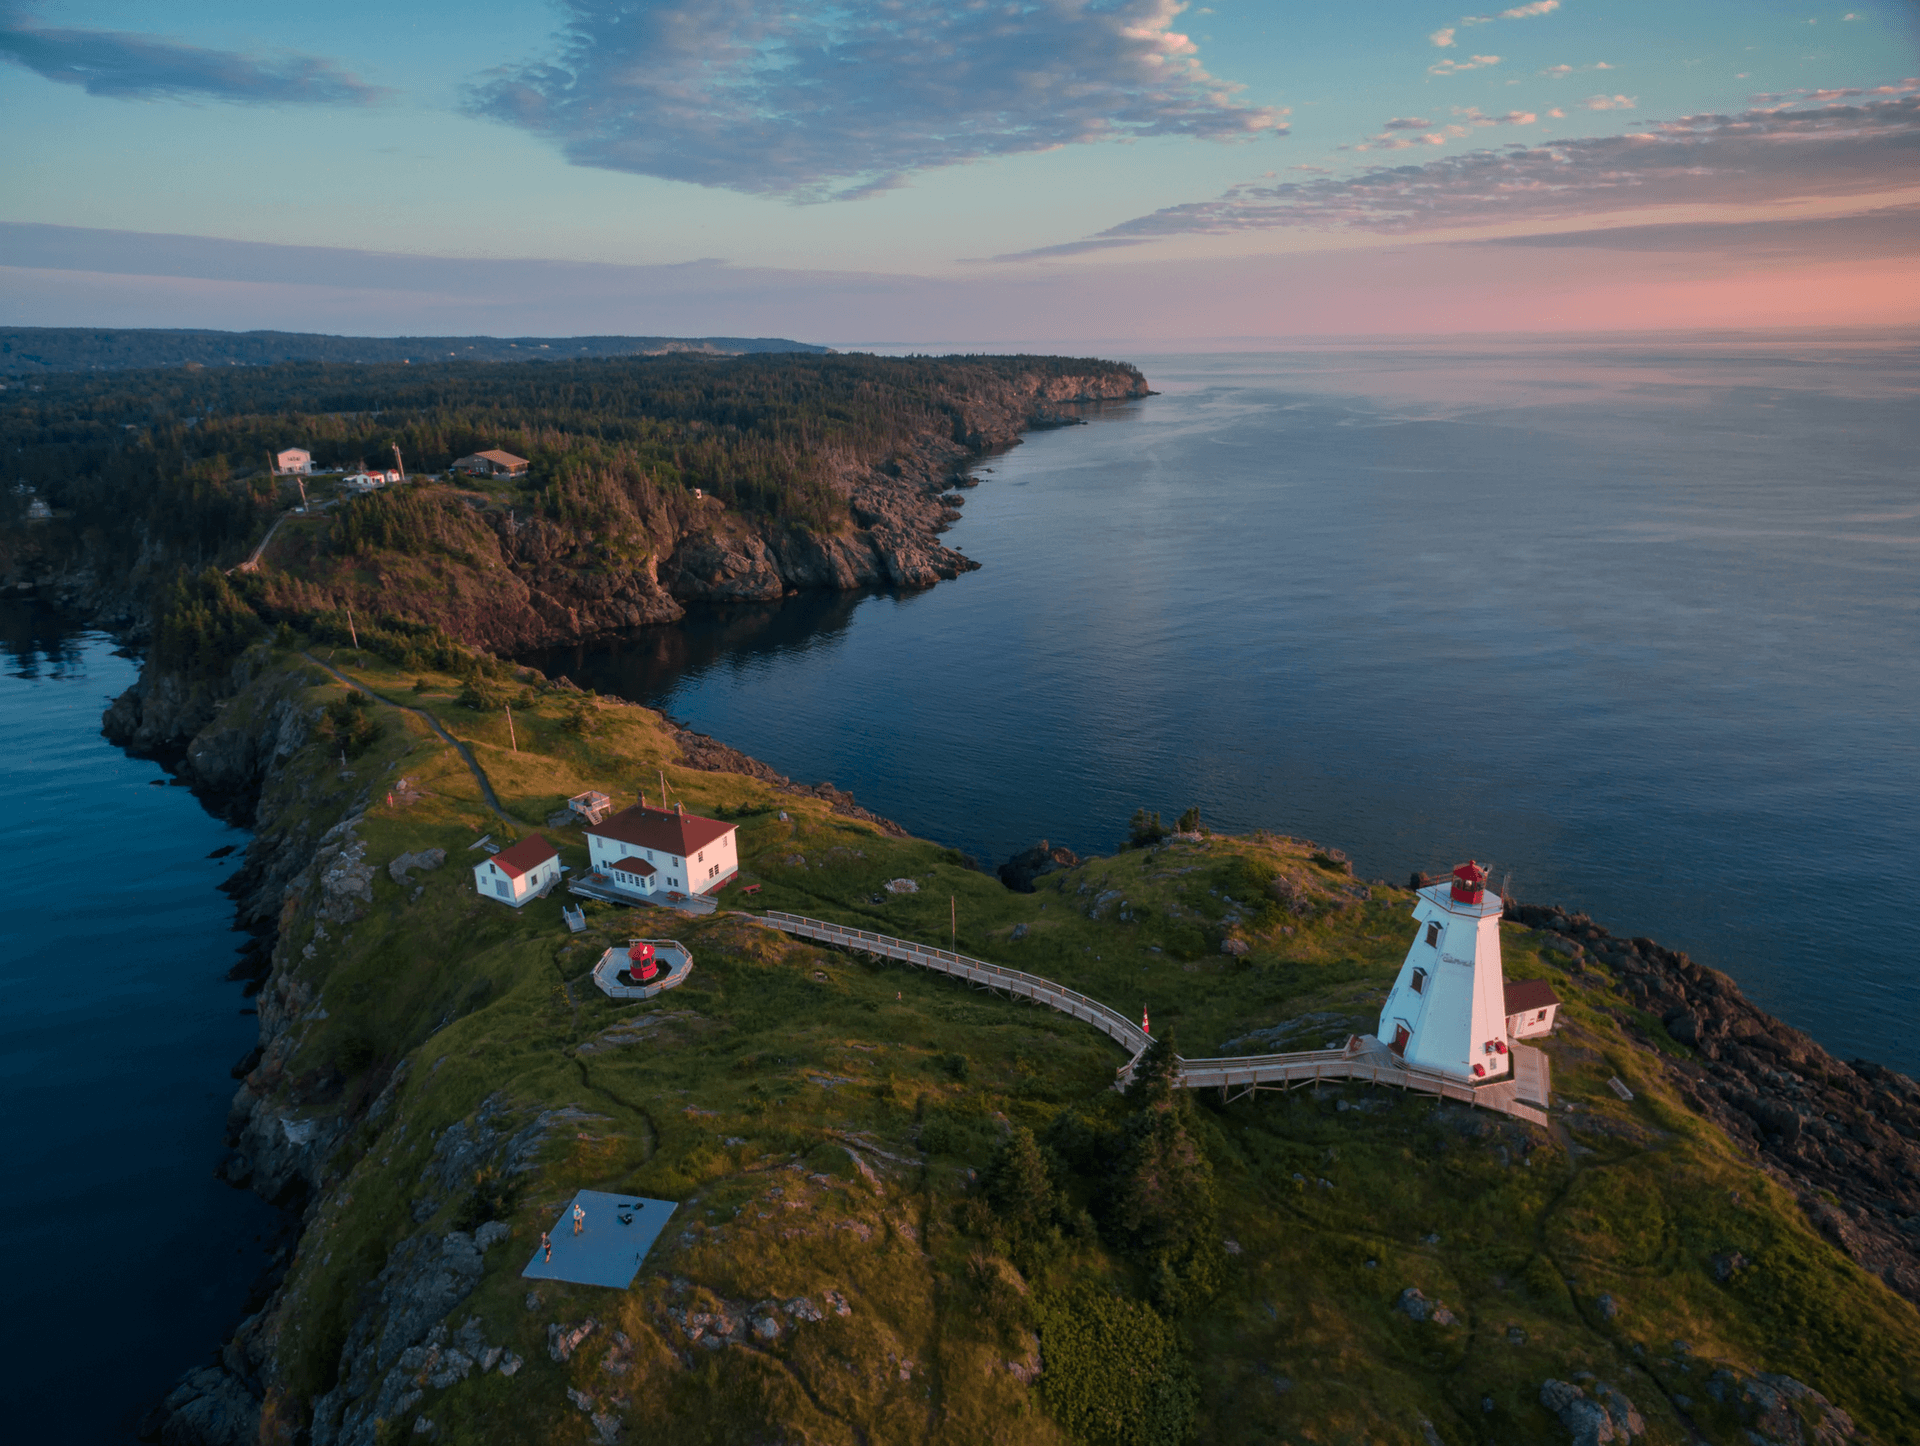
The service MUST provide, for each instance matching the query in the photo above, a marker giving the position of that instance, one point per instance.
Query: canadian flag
(1145, 1026)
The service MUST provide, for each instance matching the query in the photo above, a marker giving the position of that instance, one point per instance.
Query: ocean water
(1637, 623)
(127, 1261)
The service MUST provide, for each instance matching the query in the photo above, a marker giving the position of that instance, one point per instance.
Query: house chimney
(679, 808)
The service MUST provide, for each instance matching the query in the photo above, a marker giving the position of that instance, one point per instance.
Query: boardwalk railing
(1362, 1058)
(1110, 1022)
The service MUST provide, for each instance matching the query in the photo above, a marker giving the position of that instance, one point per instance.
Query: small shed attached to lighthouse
(1447, 1011)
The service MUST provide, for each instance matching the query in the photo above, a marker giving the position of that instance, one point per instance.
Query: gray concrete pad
(608, 1250)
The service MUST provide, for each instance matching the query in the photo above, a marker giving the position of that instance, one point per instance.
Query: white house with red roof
(517, 874)
(663, 850)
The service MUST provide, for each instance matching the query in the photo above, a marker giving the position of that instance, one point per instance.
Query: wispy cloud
(1755, 157)
(1527, 12)
(1609, 102)
(132, 66)
(832, 99)
(1404, 132)
(1442, 38)
(1561, 72)
(1454, 67)
(1473, 116)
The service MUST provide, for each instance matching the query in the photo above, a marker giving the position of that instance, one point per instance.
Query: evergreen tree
(1145, 829)
(1020, 1186)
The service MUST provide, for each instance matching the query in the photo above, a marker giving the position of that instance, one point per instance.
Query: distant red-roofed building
(685, 852)
(517, 874)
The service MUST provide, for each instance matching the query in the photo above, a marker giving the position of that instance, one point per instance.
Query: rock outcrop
(1605, 1416)
(1020, 872)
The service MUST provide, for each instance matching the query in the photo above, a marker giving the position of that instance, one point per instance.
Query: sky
(979, 173)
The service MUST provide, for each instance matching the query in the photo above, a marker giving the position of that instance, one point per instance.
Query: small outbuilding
(591, 806)
(1531, 1007)
(492, 463)
(294, 462)
(517, 874)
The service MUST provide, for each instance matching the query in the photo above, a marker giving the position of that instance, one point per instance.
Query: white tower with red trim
(1447, 1011)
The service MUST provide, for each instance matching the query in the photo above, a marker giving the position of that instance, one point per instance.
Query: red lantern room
(1469, 883)
(641, 964)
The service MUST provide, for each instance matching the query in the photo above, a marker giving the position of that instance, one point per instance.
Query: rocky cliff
(528, 582)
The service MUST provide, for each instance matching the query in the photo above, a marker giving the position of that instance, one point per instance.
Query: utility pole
(398, 465)
(303, 492)
(510, 736)
(953, 924)
(352, 631)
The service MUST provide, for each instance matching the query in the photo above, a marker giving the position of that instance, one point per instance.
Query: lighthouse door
(1401, 1034)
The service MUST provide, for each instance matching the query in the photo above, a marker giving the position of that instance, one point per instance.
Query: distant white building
(369, 480)
(517, 874)
(38, 511)
(1448, 1008)
(660, 850)
(294, 462)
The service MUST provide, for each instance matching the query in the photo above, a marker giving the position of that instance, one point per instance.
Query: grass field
(823, 1121)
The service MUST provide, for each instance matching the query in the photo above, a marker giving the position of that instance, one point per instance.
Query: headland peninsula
(926, 1218)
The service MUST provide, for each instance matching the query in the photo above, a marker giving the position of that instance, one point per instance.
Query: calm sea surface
(127, 1262)
(1638, 624)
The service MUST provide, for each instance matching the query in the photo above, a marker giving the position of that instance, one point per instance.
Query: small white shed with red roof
(664, 850)
(517, 874)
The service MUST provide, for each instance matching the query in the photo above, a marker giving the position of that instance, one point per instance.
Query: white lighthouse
(1447, 1011)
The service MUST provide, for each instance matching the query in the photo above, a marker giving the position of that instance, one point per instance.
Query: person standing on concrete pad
(579, 1217)
(546, 1244)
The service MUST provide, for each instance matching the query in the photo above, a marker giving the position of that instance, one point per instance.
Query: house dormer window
(1433, 936)
(1419, 981)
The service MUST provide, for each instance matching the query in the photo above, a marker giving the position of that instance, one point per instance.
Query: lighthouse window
(1419, 981)
(1433, 936)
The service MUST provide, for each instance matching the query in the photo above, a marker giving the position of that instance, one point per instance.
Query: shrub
(1189, 821)
(1115, 1375)
(481, 695)
(493, 1196)
(349, 724)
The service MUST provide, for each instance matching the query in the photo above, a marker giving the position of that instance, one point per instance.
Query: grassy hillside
(924, 1212)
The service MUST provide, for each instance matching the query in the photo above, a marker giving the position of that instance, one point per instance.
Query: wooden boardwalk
(1362, 1058)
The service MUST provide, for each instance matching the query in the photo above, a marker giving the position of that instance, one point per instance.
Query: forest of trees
(179, 458)
(31, 350)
